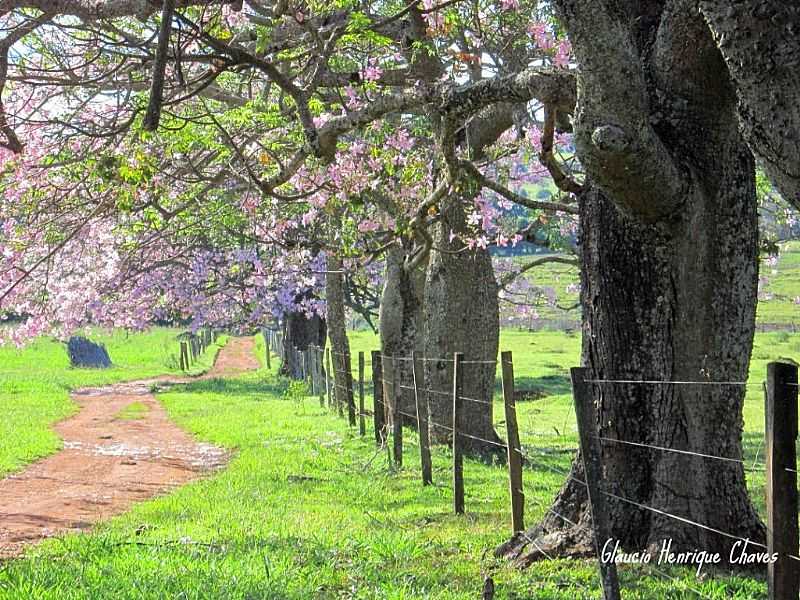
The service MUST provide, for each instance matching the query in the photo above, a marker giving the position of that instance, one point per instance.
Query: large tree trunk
(300, 331)
(669, 276)
(401, 321)
(760, 41)
(657, 310)
(337, 329)
(461, 315)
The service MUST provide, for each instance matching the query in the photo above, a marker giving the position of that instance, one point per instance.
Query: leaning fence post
(586, 413)
(268, 352)
(422, 423)
(377, 397)
(783, 576)
(458, 458)
(362, 426)
(514, 448)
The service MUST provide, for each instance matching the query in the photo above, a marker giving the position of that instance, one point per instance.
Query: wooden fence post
(320, 370)
(586, 413)
(458, 457)
(362, 426)
(341, 390)
(312, 384)
(329, 378)
(307, 369)
(268, 341)
(514, 447)
(184, 357)
(783, 576)
(390, 388)
(377, 398)
(348, 383)
(312, 368)
(422, 423)
(317, 374)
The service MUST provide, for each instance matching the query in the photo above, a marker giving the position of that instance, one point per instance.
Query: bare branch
(153, 114)
(513, 196)
(562, 181)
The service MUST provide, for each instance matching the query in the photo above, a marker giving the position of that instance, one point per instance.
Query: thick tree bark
(461, 315)
(337, 328)
(760, 41)
(300, 331)
(657, 310)
(669, 280)
(401, 321)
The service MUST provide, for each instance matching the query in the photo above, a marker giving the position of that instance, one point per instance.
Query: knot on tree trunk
(611, 139)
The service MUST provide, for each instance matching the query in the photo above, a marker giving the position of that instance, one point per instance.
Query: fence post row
(514, 447)
(458, 458)
(587, 416)
(377, 397)
(422, 423)
(783, 576)
(362, 427)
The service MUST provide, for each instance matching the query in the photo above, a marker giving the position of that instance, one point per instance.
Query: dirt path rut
(107, 462)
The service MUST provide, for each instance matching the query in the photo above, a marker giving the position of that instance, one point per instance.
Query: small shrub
(296, 392)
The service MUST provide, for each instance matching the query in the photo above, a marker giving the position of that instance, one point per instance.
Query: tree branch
(484, 181)
(153, 114)
(616, 142)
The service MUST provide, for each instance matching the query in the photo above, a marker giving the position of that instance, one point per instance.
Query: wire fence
(392, 407)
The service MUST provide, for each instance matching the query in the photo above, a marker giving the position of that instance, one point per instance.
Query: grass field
(35, 383)
(778, 304)
(307, 509)
(783, 285)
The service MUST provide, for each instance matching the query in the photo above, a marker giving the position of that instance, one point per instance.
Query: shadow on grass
(273, 388)
(550, 385)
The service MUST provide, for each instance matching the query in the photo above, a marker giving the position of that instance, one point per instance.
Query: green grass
(307, 509)
(783, 283)
(35, 382)
(777, 306)
(133, 412)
